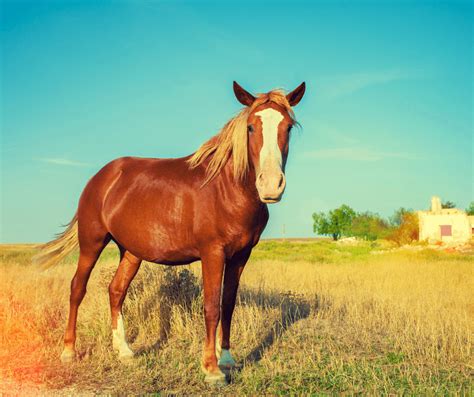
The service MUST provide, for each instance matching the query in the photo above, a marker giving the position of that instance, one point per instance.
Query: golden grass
(312, 317)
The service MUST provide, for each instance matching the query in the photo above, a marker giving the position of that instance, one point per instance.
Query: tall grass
(313, 317)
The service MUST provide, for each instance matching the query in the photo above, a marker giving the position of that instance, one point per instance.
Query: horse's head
(268, 126)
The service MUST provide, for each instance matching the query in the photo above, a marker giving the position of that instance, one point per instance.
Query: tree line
(401, 227)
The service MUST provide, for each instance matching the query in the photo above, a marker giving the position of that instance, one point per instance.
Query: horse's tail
(52, 252)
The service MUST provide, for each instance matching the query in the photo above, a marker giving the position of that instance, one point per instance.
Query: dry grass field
(312, 318)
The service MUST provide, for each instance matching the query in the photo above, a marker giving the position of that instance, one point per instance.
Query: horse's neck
(245, 190)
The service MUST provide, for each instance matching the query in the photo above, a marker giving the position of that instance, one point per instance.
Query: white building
(450, 225)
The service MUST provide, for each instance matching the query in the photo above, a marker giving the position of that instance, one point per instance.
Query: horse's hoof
(226, 361)
(216, 379)
(68, 356)
(126, 357)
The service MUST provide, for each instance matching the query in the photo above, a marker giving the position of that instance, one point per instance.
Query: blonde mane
(232, 140)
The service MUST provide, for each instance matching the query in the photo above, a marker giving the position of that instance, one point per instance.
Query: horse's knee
(211, 312)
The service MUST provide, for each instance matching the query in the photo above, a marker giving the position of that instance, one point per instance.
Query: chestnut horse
(210, 206)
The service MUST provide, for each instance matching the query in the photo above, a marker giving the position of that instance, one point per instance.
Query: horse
(209, 206)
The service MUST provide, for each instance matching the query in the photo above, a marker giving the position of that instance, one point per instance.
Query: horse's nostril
(282, 178)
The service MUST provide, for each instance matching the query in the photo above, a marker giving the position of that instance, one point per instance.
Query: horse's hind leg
(89, 253)
(128, 268)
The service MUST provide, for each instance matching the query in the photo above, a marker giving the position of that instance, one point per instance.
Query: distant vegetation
(401, 227)
(448, 204)
(407, 231)
(335, 223)
(370, 226)
(397, 218)
(470, 209)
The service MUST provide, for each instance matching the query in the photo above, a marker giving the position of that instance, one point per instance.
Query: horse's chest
(245, 235)
(238, 242)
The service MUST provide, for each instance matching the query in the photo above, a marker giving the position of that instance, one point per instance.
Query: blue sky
(387, 118)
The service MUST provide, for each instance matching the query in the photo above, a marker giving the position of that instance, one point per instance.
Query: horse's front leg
(233, 271)
(212, 271)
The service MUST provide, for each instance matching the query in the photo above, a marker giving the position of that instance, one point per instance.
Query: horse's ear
(295, 96)
(244, 97)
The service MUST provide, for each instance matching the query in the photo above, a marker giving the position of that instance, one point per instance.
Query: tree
(336, 223)
(321, 223)
(448, 204)
(369, 226)
(408, 231)
(397, 217)
(470, 209)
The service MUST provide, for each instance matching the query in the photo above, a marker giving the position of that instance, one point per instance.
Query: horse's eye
(250, 128)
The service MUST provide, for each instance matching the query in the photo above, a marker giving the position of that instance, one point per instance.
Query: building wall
(430, 226)
(471, 221)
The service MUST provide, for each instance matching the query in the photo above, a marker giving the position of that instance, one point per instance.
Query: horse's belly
(155, 243)
(169, 248)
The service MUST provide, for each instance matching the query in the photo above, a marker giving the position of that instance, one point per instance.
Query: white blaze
(270, 151)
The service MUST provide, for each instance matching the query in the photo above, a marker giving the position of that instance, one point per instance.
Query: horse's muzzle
(270, 186)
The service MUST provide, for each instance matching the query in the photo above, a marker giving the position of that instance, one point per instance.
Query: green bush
(369, 226)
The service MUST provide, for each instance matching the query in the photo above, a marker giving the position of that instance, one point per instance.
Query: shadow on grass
(182, 288)
(178, 288)
(292, 308)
